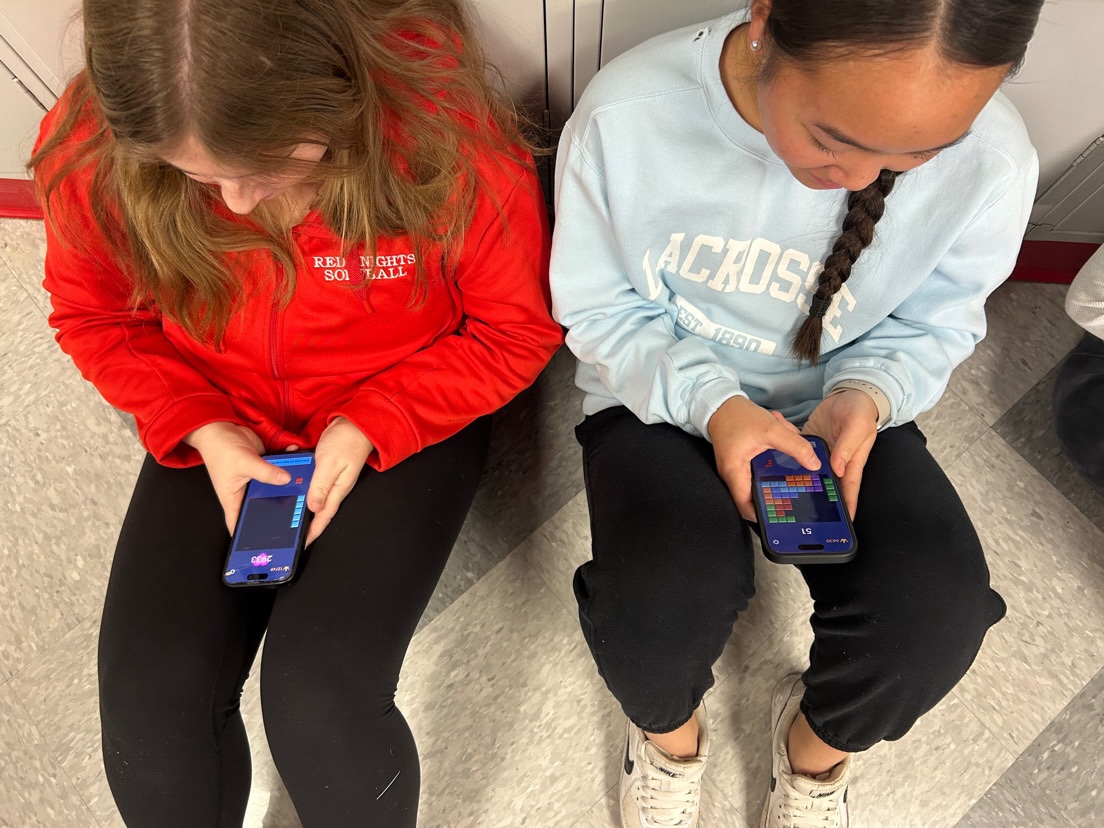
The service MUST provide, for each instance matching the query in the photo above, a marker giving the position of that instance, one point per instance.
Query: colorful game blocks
(779, 495)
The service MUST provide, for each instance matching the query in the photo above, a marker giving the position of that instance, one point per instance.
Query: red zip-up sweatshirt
(406, 374)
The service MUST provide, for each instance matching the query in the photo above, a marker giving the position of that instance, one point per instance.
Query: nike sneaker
(797, 801)
(658, 790)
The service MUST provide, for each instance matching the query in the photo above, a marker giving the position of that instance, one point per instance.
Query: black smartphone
(272, 526)
(802, 516)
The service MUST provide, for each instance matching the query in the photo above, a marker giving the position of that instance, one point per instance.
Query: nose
(241, 198)
(858, 174)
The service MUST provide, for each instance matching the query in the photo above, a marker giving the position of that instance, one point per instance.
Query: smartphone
(272, 526)
(802, 516)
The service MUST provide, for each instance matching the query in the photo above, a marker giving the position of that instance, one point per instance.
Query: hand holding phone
(739, 430)
(341, 453)
(848, 422)
(232, 456)
(802, 515)
(272, 526)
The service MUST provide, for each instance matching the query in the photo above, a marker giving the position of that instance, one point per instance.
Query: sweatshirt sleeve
(1085, 300)
(614, 320)
(122, 350)
(910, 354)
(505, 340)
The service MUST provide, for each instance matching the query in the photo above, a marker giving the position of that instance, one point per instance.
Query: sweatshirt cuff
(706, 398)
(387, 428)
(870, 389)
(163, 436)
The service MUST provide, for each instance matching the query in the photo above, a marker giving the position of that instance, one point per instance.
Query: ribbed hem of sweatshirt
(164, 434)
(385, 425)
(706, 398)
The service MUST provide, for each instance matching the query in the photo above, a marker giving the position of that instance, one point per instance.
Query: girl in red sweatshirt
(273, 225)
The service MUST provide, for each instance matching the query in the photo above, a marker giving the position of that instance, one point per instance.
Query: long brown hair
(979, 33)
(399, 90)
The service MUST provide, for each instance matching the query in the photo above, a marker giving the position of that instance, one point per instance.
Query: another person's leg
(1079, 409)
(672, 568)
(338, 636)
(175, 648)
(896, 628)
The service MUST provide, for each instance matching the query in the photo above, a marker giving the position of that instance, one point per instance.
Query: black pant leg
(338, 635)
(1079, 409)
(896, 628)
(175, 648)
(673, 565)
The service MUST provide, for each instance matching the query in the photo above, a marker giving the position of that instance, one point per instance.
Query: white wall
(1060, 90)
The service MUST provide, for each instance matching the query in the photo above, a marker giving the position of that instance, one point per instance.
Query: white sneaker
(796, 801)
(658, 790)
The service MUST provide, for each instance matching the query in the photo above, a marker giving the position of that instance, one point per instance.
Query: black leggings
(176, 646)
(893, 630)
(1079, 409)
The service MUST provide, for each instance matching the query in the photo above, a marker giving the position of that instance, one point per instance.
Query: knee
(940, 617)
(156, 691)
(669, 599)
(314, 693)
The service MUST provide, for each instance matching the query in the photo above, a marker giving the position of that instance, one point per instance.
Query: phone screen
(801, 512)
(271, 525)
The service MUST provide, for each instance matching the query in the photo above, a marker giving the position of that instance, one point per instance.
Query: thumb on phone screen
(248, 467)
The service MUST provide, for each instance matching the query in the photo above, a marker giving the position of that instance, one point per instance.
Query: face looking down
(243, 191)
(838, 122)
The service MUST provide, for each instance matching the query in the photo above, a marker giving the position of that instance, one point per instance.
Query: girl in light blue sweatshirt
(718, 309)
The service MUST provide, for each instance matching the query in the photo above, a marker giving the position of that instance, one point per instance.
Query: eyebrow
(835, 134)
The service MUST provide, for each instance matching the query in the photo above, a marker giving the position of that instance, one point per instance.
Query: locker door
(47, 36)
(512, 32)
(514, 35)
(21, 116)
(1072, 209)
(606, 28)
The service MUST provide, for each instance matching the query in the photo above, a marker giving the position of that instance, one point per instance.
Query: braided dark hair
(981, 33)
(864, 208)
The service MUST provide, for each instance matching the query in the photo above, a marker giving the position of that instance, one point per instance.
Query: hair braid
(864, 208)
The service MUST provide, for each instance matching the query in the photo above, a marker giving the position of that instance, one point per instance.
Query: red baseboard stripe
(17, 199)
(1051, 261)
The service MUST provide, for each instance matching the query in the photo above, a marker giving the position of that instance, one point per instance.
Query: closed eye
(823, 148)
(919, 156)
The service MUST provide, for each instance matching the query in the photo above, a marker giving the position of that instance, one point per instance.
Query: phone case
(295, 564)
(821, 556)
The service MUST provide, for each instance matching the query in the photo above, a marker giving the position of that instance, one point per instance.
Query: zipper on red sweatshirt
(274, 355)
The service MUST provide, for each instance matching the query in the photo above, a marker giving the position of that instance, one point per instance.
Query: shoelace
(663, 808)
(800, 811)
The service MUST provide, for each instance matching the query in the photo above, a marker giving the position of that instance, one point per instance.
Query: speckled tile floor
(1018, 744)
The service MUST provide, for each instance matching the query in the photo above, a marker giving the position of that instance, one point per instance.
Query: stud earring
(755, 44)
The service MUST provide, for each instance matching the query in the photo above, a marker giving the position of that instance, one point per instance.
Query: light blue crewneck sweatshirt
(685, 253)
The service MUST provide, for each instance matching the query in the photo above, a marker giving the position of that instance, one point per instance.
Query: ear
(757, 25)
